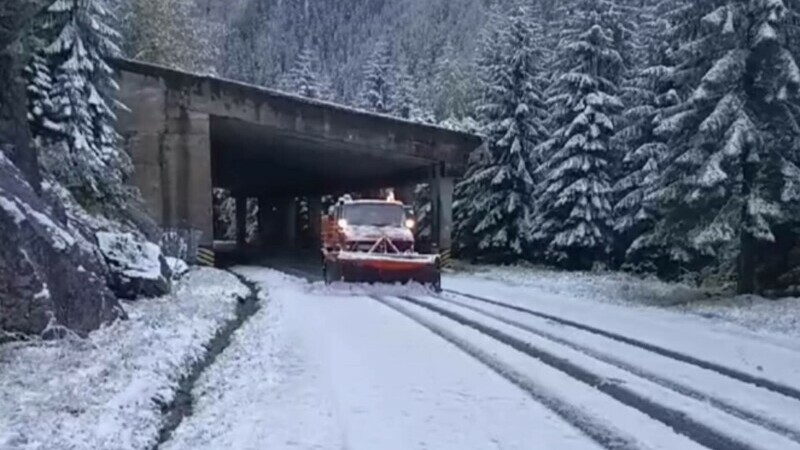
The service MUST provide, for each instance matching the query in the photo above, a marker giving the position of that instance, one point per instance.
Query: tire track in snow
(597, 431)
(680, 388)
(724, 370)
(680, 422)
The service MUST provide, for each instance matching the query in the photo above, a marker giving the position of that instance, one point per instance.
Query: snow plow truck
(372, 241)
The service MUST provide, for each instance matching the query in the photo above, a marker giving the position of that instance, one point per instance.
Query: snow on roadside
(761, 355)
(261, 367)
(106, 392)
(752, 312)
(610, 287)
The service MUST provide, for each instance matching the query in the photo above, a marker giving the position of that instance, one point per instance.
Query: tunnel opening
(201, 144)
(271, 189)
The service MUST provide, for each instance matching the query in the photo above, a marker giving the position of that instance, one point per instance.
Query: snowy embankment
(752, 312)
(107, 391)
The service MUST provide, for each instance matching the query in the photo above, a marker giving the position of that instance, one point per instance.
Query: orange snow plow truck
(372, 241)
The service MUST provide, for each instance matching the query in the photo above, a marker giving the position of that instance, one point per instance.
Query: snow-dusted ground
(398, 368)
(753, 312)
(556, 362)
(105, 392)
(326, 370)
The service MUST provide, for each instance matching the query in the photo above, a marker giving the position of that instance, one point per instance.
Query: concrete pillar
(241, 221)
(315, 220)
(405, 194)
(290, 222)
(171, 149)
(266, 222)
(186, 170)
(442, 212)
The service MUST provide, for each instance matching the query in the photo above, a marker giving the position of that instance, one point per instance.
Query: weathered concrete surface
(186, 130)
(442, 211)
(171, 149)
(241, 221)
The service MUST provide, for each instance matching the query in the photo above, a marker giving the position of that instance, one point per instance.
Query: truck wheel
(437, 285)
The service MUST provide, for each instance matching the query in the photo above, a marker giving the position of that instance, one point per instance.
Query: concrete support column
(266, 222)
(442, 212)
(241, 221)
(170, 145)
(315, 220)
(405, 194)
(187, 199)
(290, 222)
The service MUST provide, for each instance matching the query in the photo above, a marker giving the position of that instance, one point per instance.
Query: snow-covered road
(487, 366)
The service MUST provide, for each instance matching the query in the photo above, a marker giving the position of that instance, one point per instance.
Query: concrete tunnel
(189, 133)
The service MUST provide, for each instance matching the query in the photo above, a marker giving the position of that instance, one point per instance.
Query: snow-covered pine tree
(732, 176)
(40, 83)
(451, 88)
(574, 219)
(304, 78)
(376, 89)
(649, 92)
(168, 32)
(84, 153)
(405, 99)
(495, 198)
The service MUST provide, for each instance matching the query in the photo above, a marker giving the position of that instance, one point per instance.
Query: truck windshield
(374, 214)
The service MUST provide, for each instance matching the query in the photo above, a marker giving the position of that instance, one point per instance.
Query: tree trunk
(747, 264)
(15, 18)
(13, 115)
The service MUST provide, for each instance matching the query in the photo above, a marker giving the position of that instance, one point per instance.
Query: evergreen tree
(497, 191)
(40, 83)
(304, 78)
(376, 90)
(172, 33)
(451, 89)
(650, 93)
(405, 102)
(732, 176)
(83, 154)
(574, 213)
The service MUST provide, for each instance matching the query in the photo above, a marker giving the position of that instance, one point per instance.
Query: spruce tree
(574, 222)
(40, 83)
(304, 78)
(732, 176)
(405, 101)
(451, 88)
(83, 151)
(376, 90)
(495, 199)
(649, 93)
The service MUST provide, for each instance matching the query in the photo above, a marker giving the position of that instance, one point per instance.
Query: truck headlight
(410, 224)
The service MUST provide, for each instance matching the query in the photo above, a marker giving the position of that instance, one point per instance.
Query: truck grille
(365, 246)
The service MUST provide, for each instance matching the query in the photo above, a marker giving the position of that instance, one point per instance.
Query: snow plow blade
(353, 267)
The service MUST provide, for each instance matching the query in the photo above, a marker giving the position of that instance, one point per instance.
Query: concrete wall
(170, 145)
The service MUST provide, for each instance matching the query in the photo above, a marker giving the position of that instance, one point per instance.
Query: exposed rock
(178, 267)
(48, 281)
(137, 267)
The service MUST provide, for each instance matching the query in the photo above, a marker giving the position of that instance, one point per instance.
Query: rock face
(137, 268)
(49, 278)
